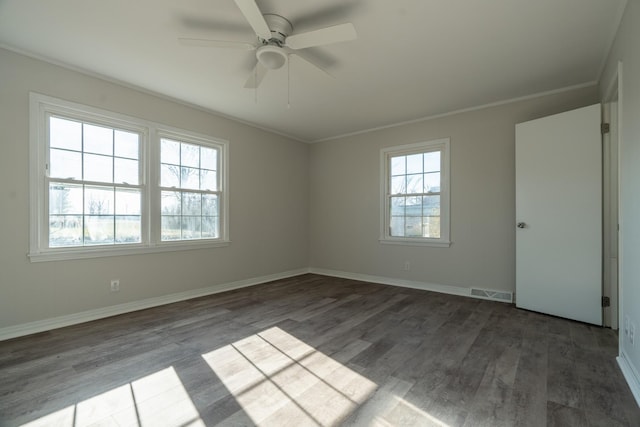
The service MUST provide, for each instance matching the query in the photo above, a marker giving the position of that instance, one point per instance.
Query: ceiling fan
(276, 40)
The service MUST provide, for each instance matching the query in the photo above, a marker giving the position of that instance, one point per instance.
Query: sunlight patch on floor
(405, 413)
(278, 379)
(389, 407)
(158, 399)
(161, 400)
(63, 418)
(275, 379)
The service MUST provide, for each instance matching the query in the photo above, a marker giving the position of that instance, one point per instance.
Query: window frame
(443, 146)
(41, 107)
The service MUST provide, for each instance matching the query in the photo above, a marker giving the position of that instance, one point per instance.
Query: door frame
(612, 221)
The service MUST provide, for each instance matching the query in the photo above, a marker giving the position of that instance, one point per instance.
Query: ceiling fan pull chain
(288, 81)
(255, 80)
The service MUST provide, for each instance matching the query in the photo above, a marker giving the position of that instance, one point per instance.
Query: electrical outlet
(407, 266)
(627, 323)
(115, 285)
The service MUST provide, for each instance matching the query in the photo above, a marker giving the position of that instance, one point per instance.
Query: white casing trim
(630, 374)
(100, 313)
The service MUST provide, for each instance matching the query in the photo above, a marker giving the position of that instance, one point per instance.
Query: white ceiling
(412, 58)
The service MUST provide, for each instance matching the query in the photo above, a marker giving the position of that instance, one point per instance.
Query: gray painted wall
(266, 171)
(345, 194)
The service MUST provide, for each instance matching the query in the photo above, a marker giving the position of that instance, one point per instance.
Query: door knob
(521, 225)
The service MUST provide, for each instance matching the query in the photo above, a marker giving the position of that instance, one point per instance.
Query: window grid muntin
(83, 152)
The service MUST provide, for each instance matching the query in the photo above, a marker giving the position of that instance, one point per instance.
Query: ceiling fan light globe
(271, 57)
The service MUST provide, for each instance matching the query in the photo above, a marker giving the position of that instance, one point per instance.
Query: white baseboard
(424, 286)
(100, 313)
(630, 374)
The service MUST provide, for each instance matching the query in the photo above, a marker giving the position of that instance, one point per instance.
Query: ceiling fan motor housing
(271, 54)
(280, 28)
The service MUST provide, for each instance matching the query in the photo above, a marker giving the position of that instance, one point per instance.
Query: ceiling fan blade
(216, 43)
(334, 34)
(257, 74)
(253, 15)
(319, 14)
(200, 23)
(312, 63)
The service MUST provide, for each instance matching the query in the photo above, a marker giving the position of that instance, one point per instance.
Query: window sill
(100, 252)
(415, 242)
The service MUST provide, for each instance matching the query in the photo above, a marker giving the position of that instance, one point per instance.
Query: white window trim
(41, 105)
(443, 145)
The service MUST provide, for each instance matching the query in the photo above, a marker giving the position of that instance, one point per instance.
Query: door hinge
(606, 302)
(605, 128)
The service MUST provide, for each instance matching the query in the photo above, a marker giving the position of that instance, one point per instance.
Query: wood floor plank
(493, 403)
(530, 387)
(564, 416)
(377, 409)
(597, 419)
(315, 350)
(390, 362)
(563, 385)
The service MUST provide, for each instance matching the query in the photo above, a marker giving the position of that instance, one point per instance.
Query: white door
(559, 215)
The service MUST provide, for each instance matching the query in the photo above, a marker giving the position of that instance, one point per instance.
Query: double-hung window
(92, 184)
(415, 194)
(107, 184)
(189, 190)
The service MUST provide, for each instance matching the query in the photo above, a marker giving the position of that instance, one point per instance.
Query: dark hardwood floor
(314, 350)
